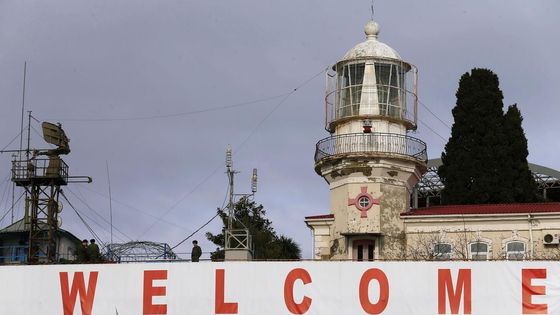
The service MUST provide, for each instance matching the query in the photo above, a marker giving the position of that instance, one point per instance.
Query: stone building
(373, 168)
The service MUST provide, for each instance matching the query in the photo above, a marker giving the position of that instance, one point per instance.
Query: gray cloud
(119, 59)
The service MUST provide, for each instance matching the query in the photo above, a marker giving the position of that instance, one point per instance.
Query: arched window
(479, 251)
(442, 251)
(515, 250)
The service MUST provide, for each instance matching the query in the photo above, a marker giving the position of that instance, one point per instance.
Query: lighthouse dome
(371, 47)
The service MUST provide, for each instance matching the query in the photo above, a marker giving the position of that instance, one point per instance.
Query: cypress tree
(523, 185)
(475, 160)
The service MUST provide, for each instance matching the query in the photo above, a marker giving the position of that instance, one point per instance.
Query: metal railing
(371, 143)
(53, 168)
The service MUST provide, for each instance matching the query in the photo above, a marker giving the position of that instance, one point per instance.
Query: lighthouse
(369, 160)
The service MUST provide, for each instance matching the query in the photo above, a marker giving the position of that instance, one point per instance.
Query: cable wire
(278, 106)
(193, 112)
(10, 209)
(97, 213)
(428, 109)
(193, 233)
(12, 141)
(83, 220)
(432, 130)
(205, 224)
(286, 96)
(144, 212)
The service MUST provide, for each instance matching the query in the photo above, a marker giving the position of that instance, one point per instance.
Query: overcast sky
(98, 66)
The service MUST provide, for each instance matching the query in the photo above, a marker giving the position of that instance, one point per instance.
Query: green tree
(266, 243)
(523, 186)
(485, 160)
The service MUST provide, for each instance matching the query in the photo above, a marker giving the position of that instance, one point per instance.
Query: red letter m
(78, 287)
(463, 282)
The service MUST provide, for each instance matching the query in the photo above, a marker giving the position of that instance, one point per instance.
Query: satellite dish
(59, 222)
(59, 209)
(54, 134)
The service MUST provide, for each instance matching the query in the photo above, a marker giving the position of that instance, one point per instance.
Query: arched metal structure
(427, 191)
(139, 251)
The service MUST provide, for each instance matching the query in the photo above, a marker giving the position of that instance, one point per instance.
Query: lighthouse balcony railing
(371, 143)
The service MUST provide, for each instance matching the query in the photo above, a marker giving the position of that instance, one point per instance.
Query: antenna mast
(231, 173)
(22, 109)
(110, 201)
(238, 242)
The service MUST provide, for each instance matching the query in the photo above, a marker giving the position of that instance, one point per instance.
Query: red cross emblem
(363, 202)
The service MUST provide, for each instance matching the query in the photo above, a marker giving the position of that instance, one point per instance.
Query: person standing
(196, 252)
(93, 251)
(81, 252)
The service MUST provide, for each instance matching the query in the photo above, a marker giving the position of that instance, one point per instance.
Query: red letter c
(291, 278)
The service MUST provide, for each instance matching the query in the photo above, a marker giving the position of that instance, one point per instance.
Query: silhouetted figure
(93, 251)
(82, 252)
(196, 251)
(31, 168)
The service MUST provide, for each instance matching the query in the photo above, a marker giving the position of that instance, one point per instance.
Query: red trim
(356, 202)
(320, 216)
(504, 208)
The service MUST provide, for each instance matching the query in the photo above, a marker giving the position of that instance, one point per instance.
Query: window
(363, 250)
(390, 88)
(479, 251)
(515, 250)
(442, 251)
(363, 201)
(350, 81)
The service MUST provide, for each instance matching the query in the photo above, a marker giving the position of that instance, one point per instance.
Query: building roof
(21, 227)
(18, 226)
(431, 185)
(505, 208)
(371, 47)
(320, 216)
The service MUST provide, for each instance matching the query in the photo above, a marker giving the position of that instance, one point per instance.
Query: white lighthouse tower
(369, 161)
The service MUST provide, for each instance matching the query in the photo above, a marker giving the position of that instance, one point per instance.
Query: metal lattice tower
(140, 251)
(42, 179)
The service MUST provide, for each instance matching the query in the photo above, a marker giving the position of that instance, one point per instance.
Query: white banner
(268, 288)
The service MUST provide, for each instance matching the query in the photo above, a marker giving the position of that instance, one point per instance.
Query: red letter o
(380, 276)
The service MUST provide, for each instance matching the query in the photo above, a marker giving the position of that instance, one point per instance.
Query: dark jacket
(196, 253)
(93, 253)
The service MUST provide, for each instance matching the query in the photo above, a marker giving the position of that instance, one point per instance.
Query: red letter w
(78, 287)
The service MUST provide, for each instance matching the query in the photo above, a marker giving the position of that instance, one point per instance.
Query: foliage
(523, 187)
(485, 160)
(267, 244)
